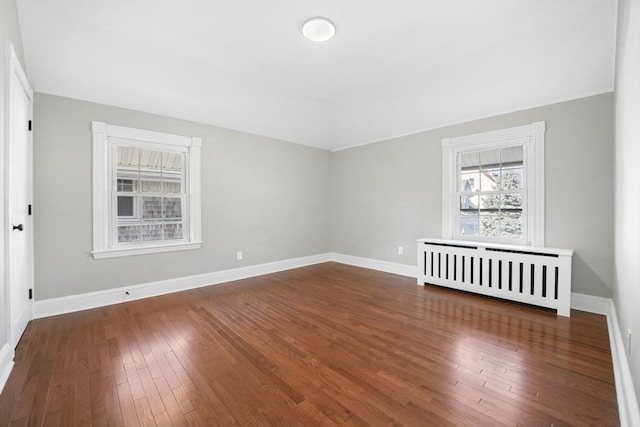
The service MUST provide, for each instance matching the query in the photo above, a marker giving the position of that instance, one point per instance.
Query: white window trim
(103, 247)
(533, 151)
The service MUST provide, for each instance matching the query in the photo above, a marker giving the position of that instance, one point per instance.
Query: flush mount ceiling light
(319, 29)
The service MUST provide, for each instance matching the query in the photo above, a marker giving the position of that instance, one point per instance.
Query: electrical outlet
(239, 255)
(629, 342)
(400, 250)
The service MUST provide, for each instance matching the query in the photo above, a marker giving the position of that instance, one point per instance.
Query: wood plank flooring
(328, 345)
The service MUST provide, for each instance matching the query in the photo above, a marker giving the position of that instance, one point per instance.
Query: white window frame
(105, 243)
(531, 138)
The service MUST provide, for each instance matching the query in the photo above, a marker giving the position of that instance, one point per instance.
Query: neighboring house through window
(493, 186)
(146, 191)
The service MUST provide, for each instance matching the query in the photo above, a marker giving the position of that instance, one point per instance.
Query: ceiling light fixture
(319, 29)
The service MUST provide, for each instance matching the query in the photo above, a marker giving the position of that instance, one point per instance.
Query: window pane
(511, 225)
(151, 232)
(468, 224)
(172, 162)
(470, 181)
(125, 206)
(490, 202)
(489, 224)
(172, 208)
(150, 182)
(151, 208)
(172, 172)
(150, 171)
(511, 201)
(512, 178)
(127, 169)
(490, 159)
(150, 160)
(128, 157)
(468, 203)
(469, 215)
(128, 233)
(490, 179)
(172, 231)
(469, 161)
(512, 168)
(169, 186)
(127, 185)
(511, 155)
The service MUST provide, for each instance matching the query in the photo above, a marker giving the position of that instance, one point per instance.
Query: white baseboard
(72, 303)
(590, 303)
(627, 401)
(6, 364)
(374, 264)
(625, 391)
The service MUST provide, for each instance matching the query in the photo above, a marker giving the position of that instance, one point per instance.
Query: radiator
(530, 275)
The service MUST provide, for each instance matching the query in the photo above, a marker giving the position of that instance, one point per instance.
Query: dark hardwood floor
(328, 344)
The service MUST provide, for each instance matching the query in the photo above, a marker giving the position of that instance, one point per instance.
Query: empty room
(278, 213)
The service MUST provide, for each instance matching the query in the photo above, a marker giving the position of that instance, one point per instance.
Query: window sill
(143, 250)
(493, 241)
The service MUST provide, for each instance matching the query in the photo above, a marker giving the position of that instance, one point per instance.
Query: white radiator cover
(531, 275)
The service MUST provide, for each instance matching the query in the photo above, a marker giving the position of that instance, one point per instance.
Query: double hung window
(494, 186)
(146, 191)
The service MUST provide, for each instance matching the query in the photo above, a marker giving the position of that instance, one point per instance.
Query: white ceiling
(393, 68)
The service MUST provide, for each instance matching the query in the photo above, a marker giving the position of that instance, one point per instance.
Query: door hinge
(29, 210)
(30, 293)
(30, 125)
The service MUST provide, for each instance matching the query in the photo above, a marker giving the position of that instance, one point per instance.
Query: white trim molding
(6, 363)
(531, 138)
(628, 408)
(590, 303)
(374, 264)
(625, 391)
(115, 253)
(105, 138)
(73, 303)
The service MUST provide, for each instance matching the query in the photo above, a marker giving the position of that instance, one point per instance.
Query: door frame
(15, 75)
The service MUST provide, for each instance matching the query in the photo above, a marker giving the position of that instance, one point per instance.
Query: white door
(18, 159)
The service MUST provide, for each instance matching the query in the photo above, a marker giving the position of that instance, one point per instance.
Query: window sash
(137, 174)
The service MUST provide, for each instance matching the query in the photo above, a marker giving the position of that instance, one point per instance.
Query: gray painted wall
(627, 127)
(389, 193)
(275, 200)
(265, 197)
